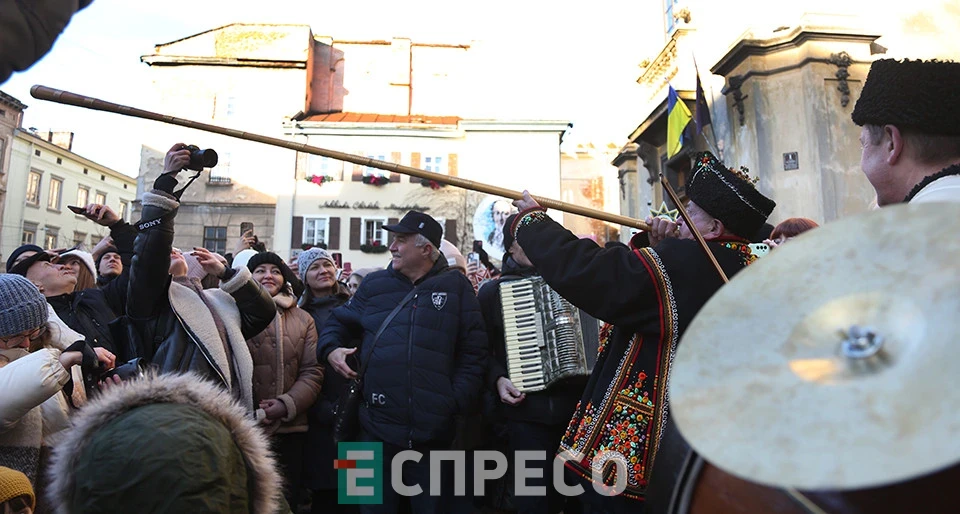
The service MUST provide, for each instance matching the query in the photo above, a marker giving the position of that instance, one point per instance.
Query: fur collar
(168, 388)
(284, 300)
(195, 315)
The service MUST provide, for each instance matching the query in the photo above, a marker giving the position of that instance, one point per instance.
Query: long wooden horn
(68, 98)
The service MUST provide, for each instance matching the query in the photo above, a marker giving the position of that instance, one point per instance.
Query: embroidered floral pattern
(746, 253)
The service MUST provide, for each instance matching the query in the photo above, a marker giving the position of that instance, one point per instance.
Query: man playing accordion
(649, 295)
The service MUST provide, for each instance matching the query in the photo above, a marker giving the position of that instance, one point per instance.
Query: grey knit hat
(22, 306)
(306, 259)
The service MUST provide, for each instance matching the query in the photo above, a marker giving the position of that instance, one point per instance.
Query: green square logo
(359, 473)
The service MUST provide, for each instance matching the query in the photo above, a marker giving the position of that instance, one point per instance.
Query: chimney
(62, 139)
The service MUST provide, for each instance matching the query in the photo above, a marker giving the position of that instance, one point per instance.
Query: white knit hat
(85, 257)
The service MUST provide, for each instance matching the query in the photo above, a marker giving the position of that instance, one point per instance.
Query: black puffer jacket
(171, 326)
(90, 311)
(429, 363)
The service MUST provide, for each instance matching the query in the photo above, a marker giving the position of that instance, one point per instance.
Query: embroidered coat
(647, 297)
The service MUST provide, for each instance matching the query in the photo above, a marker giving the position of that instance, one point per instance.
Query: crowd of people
(145, 378)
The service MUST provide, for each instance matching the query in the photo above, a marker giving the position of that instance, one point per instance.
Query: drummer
(650, 295)
(911, 138)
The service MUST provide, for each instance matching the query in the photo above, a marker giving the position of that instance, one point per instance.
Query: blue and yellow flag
(678, 116)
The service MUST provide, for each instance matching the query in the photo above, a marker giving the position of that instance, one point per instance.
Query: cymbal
(833, 362)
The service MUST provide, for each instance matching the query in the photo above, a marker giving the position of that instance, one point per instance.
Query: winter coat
(552, 406)
(429, 363)
(165, 443)
(33, 411)
(287, 371)
(90, 311)
(321, 450)
(172, 327)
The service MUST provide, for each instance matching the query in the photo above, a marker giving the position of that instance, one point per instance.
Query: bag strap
(383, 326)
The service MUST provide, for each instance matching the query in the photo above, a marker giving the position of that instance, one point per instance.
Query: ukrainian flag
(678, 116)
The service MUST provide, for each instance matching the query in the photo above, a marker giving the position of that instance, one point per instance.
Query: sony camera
(200, 159)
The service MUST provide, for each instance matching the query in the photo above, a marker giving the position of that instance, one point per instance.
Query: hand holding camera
(189, 157)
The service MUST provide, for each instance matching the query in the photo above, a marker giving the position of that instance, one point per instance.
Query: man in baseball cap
(415, 222)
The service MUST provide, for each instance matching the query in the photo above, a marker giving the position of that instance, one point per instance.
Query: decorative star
(663, 212)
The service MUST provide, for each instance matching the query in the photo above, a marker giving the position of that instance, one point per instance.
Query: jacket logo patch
(439, 300)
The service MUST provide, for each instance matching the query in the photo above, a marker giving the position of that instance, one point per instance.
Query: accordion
(547, 338)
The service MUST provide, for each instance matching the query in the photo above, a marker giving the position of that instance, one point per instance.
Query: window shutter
(450, 232)
(354, 233)
(452, 165)
(296, 232)
(358, 172)
(333, 234)
(414, 163)
(395, 158)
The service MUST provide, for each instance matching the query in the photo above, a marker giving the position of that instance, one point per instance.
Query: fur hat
(306, 258)
(14, 484)
(23, 308)
(728, 196)
(84, 257)
(920, 95)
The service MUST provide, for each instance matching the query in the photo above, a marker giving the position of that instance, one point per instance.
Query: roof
(358, 117)
(9, 100)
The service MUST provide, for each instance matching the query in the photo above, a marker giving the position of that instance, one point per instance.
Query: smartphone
(477, 245)
(78, 210)
(338, 259)
(473, 257)
(246, 226)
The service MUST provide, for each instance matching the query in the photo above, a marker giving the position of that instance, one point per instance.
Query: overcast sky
(578, 64)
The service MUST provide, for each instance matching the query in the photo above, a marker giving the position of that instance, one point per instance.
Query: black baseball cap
(24, 265)
(415, 222)
(19, 251)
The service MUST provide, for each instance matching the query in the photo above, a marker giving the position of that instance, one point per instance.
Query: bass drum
(683, 483)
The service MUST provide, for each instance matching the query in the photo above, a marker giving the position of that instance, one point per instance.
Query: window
(85, 171)
(59, 160)
(53, 200)
(33, 188)
(95, 240)
(100, 198)
(670, 22)
(79, 238)
(373, 231)
(315, 231)
(215, 239)
(319, 165)
(220, 174)
(3, 145)
(370, 171)
(434, 164)
(50, 237)
(36, 152)
(124, 208)
(103, 178)
(83, 196)
(29, 233)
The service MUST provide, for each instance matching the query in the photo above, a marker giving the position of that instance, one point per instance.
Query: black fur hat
(920, 95)
(728, 196)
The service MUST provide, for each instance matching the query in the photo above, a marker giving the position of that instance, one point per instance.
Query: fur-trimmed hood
(74, 489)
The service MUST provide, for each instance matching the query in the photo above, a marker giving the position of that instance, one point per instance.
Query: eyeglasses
(29, 336)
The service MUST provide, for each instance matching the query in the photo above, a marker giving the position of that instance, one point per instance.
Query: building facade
(588, 178)
(780, 84)
(11, 119)
(253, 77)
(343, 206)
(48, 176)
